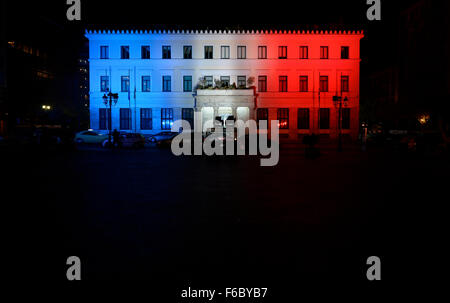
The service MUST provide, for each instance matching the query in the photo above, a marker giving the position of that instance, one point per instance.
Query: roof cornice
(224, 32)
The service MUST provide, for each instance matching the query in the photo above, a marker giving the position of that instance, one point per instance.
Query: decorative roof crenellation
(224, 32)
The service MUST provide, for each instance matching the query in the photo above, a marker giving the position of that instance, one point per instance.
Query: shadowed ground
(147, 214)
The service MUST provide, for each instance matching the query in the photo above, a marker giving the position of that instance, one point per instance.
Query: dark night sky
(133, 12)
(46, 20)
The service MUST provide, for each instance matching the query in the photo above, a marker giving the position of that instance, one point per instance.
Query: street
(141, 214)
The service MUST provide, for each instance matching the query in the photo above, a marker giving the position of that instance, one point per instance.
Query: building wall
(198, 66)
(424, 23)
(3, 61)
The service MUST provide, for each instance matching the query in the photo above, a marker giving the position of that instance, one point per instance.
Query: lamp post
(108, 99)
(194, 95)
(337, 100)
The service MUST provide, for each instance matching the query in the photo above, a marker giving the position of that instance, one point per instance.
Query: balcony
(225, 98)
(225, 92)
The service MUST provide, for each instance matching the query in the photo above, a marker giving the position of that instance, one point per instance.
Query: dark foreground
(200, 221)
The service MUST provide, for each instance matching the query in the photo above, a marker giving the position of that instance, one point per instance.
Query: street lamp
(338, 102)
(108, 99)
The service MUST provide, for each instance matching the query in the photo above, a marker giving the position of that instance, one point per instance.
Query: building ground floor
(293, 122)
(298, 115)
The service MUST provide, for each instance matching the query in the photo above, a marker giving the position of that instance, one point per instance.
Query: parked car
(166, 141)
(133, 140)
(91, 137)
(54, 136)
(161, 137)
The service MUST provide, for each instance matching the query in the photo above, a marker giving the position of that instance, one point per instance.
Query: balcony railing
(225, 92)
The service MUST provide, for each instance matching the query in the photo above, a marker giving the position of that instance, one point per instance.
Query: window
(146, 118)
(187, 52)
(167, 84)
(345, 52)
(225, 52)
(225, 80)
(282, 52)
(324, 52)
(324, 117)
(303, 118)
(208, 52)
(262, 83)
(104, 52)
(323, 84)
(125, 83)
(145, 52)
(303, 83)
(241, 52)
(283, 86)
(345, 118)
(104, 83)
(345, 84)
(209, 81)
(145, 83)
(262, 114)
(262, 52)
(187, 114)
(125, 118)
(303, 52)
(166, 52)
(187, 83)
(166, 118)
(104, 118)
(241, 81)
(124, 52)
(283, 118)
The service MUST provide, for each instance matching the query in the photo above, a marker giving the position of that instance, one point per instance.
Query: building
(405, 90)
(424, 71)
(83, 79)
(41, 78)
(163, 76)
(30, 71)
(3, 61)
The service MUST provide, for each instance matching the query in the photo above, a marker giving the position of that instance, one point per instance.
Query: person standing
(116, 138)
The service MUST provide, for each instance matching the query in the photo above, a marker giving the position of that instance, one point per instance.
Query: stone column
(198, 120)
(273, 115)
(177, 113)
(156, 113)
(252, 113)
(354, 123)
(293, 117)
(334, 120)
(216, 112)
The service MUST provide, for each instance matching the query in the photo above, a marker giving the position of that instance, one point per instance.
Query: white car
(89, 136)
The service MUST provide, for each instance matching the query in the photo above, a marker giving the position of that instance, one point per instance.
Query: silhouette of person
(116, 138)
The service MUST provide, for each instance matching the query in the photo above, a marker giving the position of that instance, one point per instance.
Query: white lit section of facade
(296, 75)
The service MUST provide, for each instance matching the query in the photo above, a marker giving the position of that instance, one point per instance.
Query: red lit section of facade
(300, 77)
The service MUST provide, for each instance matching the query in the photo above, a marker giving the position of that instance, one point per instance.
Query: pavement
(141, 214)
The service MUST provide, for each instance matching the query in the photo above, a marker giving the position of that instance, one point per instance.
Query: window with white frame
(225, 52)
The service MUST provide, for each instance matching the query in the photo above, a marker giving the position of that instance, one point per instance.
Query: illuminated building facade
(168, 75)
